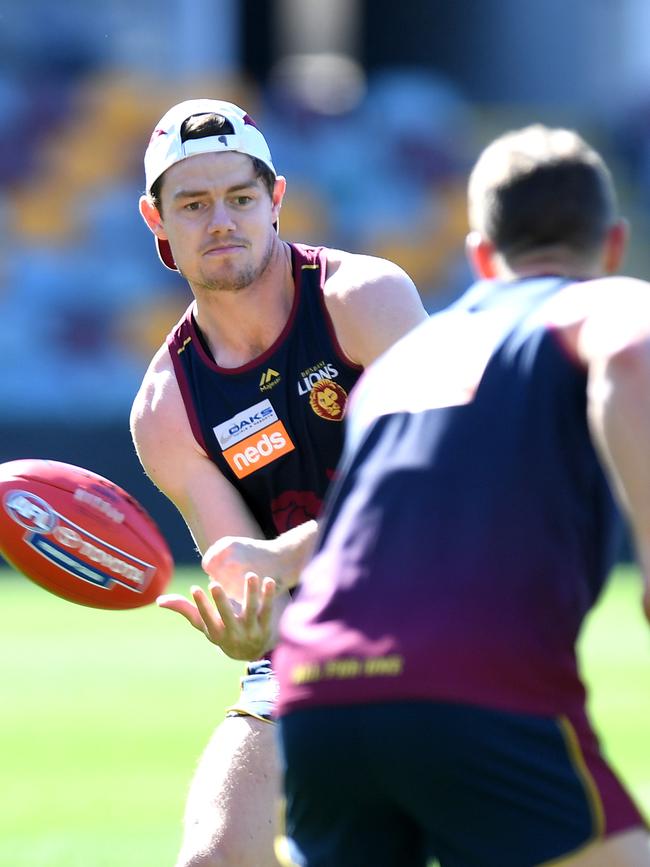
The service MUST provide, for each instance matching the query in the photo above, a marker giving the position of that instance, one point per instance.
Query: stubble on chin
(236, 278)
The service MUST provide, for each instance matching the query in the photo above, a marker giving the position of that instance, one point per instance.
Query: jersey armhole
(566, 346)
(184, 388)
(321, 255)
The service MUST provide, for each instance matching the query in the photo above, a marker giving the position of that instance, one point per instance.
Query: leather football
(80, 536)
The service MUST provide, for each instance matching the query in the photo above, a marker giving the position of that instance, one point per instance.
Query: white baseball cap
(166, 147)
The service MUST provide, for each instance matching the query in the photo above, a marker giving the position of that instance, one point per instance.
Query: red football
(80, 536)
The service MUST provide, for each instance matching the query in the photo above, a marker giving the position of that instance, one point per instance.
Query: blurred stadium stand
(375, 148)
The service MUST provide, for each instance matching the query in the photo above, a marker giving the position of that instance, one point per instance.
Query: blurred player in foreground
(238, 421)
(430, 650)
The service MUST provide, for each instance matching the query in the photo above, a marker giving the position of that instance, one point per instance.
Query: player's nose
(221, 217)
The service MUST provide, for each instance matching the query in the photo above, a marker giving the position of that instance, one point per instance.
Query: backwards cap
(166, 147)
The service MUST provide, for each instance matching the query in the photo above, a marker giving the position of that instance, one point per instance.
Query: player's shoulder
(158, 396)
(581, 299)
(353, 274)
(372, 302)
(601, 316)
(160, 367)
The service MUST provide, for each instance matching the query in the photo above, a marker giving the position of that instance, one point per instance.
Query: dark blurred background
(373, 109)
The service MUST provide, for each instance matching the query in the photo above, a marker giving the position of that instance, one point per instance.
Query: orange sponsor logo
(258, 450)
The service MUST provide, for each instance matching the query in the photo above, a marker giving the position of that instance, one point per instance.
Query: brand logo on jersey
(258, 450)
(244, 423)
(269, 378)
(315, 374)
(74, 549)
(328, 400)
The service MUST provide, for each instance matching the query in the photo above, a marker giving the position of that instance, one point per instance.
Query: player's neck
(547, 264)
(241, 325)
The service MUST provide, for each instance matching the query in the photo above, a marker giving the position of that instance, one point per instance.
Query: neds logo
(259, 450)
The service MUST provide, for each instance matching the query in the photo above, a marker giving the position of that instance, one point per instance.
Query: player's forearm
(229, 559)
(294, 548)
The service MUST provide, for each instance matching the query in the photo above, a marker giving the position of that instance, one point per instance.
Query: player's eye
(192, 206)
(243, 200)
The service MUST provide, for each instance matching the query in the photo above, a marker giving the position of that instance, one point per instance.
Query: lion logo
(328, 400)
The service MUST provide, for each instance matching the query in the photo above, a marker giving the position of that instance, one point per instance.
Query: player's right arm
(177, 465)
(211, 507)
(608, 328)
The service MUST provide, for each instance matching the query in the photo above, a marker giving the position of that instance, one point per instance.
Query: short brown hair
(539, 187)
(211, 124)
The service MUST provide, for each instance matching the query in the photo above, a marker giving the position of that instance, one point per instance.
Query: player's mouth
(216, 250)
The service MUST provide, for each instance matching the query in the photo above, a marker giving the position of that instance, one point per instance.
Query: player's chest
(294, 400)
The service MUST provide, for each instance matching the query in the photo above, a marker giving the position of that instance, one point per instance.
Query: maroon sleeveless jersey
(273, 426)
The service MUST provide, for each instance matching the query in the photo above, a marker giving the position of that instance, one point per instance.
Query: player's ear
(279, 189)
(616, 245)
(151, 216)
(480, 255)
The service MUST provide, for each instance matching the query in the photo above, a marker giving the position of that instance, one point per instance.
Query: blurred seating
(305, 216)
(377, 174)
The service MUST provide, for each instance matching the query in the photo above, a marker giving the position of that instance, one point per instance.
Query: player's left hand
(242, 632)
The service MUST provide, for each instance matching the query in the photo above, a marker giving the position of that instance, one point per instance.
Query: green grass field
(105, 713)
